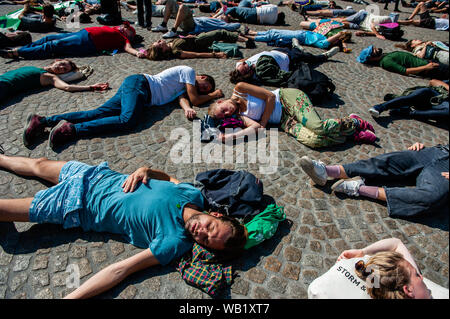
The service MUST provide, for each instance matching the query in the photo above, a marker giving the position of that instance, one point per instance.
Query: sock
(163, 24)
(333, 171)
(379, 108)
(369, 191)
(174, 29)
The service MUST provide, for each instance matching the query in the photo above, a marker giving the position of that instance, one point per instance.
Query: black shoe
(250, 44)
(389, 97)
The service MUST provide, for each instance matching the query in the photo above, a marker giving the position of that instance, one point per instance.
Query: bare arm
(129, 49)
(250, 127)
(143, 174)
(261, 93)
(52, 79)
(202, 55)
(390, 244)
(420, 69)
(198, 99)
(186, 106)
(113, 275)
(375, 31)
(435, 82)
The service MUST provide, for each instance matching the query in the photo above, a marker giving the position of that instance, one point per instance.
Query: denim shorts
(62, 203)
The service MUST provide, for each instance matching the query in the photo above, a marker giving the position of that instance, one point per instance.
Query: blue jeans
(431, 191)
(62, 45)
(245, 4)
(420, 99)
(357, 18)
(120, 113)
(284, 37)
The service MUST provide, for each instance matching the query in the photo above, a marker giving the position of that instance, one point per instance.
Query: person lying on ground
(195, 47)
(382, 270)
(88, 41)
(124, 110)
(149, 208)
(427, 103)
(266, 15)
(36, 21)
(425, 20)
(429, 165)
(293, 111)
(365, 21)
(279, 37)
(435, 51)
(404, 63)
(29, 77)
(189, 24)
(331, 12)
(287, 59)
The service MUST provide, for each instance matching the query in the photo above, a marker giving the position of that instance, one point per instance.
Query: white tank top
(256, 107)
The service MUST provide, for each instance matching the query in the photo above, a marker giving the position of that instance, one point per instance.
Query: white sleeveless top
(342, 282)
(256, 107)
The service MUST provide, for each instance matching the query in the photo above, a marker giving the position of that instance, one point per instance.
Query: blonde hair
(392, 271)
(213, 107)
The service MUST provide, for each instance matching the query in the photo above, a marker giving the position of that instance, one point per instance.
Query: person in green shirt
(403, 63)
(29, 77)
(195, 47)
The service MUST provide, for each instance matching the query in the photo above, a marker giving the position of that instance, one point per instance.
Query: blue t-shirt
(149, 217)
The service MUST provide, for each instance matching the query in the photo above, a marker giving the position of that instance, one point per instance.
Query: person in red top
(88, 41)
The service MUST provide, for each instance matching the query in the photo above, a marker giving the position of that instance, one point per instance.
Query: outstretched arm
(52, 79)
(113, 275)
(189, 112)
(390, 244)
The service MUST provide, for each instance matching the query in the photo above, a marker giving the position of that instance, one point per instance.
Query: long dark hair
(236, 77)
(405, 46)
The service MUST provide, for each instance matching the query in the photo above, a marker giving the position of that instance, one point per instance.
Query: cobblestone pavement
(34, 258)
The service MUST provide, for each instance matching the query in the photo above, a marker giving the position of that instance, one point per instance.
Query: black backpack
(315, 84)
(390, 33)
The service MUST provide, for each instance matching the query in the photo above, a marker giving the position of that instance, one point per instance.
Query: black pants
(144, 5)
(296, 56)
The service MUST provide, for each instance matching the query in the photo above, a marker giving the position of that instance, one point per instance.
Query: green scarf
(264, 225)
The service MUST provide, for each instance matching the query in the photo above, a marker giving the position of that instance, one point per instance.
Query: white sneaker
(333, 51)
(170, 34)
(159, 28)
(348, 186)
(315, 169)
(296, 44)
(374, 112)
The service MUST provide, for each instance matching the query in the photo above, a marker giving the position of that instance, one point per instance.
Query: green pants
(300, 119)
(206, 39)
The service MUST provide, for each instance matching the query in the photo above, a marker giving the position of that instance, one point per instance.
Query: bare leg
(342, 174)
(167, 13)
(15, 210)
(323, 13)
(180, 18)
(409, 22)
(381, 194)
(420, 7)
(37, 167)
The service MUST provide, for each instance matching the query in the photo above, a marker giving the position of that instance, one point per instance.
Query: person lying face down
(150, 209)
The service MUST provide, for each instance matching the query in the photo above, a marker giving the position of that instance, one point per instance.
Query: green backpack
(231, 49)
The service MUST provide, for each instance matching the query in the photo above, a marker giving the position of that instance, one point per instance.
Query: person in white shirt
(123, 111)
(383, 270)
